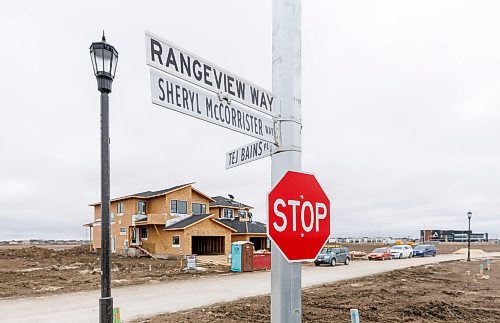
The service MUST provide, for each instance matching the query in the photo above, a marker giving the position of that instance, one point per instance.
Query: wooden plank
(161, 239)
(145, 251)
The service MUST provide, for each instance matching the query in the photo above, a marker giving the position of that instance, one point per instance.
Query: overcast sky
(400, 110)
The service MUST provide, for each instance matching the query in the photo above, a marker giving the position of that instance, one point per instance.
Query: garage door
(202, 245)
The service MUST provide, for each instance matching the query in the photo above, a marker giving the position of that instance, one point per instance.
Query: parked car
(424, 250)
(333, 256)
(380, 253)
(402, 251)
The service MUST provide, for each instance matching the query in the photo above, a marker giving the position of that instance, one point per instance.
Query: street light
(104, 59)
(469, 215)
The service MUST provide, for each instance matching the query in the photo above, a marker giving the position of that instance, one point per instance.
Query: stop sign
(298, 216)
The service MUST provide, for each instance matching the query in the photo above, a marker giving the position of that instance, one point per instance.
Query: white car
(401, 251)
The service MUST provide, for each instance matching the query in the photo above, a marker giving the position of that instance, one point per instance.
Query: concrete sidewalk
(151, 299)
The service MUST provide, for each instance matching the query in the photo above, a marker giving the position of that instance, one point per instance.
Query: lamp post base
(106, 310)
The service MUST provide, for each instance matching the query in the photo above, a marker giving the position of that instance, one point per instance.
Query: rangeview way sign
(174, 60)
(298, 216)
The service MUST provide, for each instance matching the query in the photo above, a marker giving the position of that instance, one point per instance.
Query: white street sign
(172, 93)
(174, 60)
(248, 153)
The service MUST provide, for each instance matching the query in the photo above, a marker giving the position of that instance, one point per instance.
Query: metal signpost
(286, 302)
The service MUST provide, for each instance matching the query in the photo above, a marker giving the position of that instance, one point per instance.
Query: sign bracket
(224, 97)
(296, 120)
(279, 149)
(277, 130)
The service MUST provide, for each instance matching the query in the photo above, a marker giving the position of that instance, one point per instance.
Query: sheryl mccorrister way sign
(174, 94)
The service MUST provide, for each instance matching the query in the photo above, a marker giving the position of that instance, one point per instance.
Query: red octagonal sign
(298, 212)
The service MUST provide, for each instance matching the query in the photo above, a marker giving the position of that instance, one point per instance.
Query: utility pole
(286, 302)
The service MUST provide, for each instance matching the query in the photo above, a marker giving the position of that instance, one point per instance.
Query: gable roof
(192, 220)
(223, 201)
(149, 194)
(245, 226)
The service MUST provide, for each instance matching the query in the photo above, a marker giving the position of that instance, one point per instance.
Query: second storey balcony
(150, 219)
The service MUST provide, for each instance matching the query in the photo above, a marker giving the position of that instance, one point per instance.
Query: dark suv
(333, 256)
(424, 250)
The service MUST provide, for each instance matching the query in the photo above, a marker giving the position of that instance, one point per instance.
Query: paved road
(151, 299)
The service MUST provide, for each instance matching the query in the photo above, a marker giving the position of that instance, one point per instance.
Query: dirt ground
(446, 292)
(35, 271)
(441, 248)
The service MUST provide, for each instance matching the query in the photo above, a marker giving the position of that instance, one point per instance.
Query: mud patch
(35, 271)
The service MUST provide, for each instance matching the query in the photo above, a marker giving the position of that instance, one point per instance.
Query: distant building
(359, 239)
(452, 236)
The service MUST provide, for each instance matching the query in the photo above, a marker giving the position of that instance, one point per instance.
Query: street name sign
(298, 216)
(248, 153)
(174, 94)
(174, 60)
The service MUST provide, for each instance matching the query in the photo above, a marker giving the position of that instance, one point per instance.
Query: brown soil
(446, 292)
(35, 271)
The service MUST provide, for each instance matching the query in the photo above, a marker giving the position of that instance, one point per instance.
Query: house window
(119, 208)
(112, 218)
(179, 207)
(242, 214)
(141, 207)
(123, 231)
(199, 208)
(176, 241)
(144, 233)
(228, 213)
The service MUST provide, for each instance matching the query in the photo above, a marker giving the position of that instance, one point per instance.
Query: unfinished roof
(160, 192)
(244, 226)
(149, 194)
(223, 201)
(192, 220)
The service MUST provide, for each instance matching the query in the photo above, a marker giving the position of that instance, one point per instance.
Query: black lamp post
(469, 215)
(104, 59)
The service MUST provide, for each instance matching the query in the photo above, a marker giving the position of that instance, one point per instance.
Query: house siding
(156, 243)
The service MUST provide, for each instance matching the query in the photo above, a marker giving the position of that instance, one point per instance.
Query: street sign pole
(286, 303)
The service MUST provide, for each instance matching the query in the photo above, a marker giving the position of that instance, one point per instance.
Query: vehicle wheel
(400, 256)
(346, 261)
(333, 262)
(410, 255)
(434, 254)
(316, 264)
